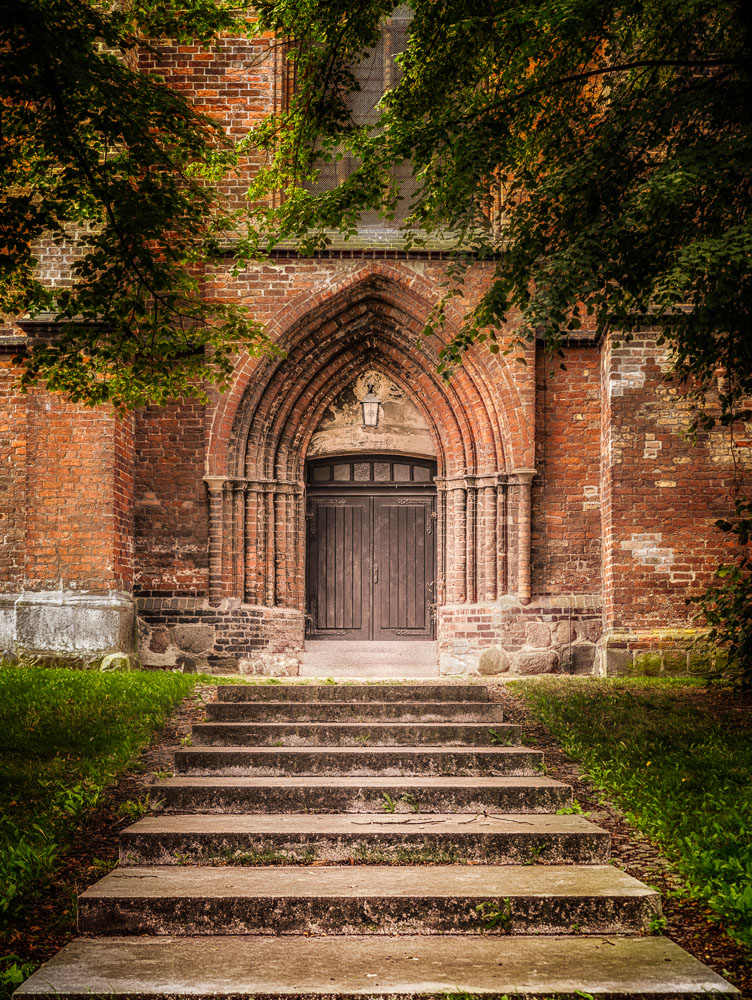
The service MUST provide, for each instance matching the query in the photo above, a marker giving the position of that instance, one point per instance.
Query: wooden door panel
(403, 567)
(339, 567)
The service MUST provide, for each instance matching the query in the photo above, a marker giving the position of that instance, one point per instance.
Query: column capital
(522, 476)
(215, 484)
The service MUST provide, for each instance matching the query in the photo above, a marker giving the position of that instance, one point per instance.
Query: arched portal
(258, 507)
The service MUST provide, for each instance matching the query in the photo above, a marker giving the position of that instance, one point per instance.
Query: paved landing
(378, 660)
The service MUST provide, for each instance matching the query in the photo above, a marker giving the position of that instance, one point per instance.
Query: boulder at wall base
(193, 638)
(578, 659)
(191, 664)
(159, 642)
(539, 634)
(117, 662)
(494, 660)
(536, 662)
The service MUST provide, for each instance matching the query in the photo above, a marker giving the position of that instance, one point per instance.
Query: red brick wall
(171, 511)
(12, 478)
(77, 497)
(661, 494)
(237, 82)
(123, 498)
(566, 549)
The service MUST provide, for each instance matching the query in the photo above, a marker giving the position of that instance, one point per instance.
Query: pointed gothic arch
(261, 431)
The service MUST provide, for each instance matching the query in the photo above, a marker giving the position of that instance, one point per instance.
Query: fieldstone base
(550, 635)
(555, 634)
(189, 634)
(656, 651)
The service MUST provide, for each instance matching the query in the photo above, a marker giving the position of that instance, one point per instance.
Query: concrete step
(348, 734)
(358, 711)
(357, 968)
(352, 692)
(368, 900)
(359, 795)
(368, 837)
(384, 761)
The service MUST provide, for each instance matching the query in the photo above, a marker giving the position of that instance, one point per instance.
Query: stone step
(352, 692)
(368, 837)
(359, 711)
(368, 900)
(384, 761)
(359, 795)
(357, 734)
(358, 968)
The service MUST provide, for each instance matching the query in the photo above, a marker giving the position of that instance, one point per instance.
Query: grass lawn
(65, 735)
(677, 759)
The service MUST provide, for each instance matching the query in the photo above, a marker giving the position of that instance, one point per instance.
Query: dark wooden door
(339, 567)
(403, 567)
(371, 549)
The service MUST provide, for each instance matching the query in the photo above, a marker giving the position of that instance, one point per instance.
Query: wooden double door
(371, 550)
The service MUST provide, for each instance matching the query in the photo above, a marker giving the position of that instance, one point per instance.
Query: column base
(67, 624)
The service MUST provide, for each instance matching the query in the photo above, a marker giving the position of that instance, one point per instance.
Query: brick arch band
(259, 442)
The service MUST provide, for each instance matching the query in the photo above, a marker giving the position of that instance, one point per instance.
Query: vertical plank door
(339, 567)
(403, 567)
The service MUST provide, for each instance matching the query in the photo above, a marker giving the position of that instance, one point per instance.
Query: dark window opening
(376, 73)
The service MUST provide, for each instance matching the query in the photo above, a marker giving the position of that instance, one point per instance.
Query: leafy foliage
(727, 605)
(13, 971)
(599, 154)
(112, 167)
(677, 764)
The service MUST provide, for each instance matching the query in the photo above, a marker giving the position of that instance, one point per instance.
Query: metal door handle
(375, 573)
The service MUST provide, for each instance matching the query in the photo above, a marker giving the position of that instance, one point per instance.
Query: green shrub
(726, 606)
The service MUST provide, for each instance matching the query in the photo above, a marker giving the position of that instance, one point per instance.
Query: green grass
(65, 735)
(678, 762)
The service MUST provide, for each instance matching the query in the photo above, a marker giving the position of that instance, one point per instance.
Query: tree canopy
(598, 153)
(99, 157)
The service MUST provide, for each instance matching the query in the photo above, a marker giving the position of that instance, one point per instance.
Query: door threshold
(373, 660)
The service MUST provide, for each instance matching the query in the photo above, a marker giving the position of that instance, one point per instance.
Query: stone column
(524, 479)
(502, 545)
(456, 543)
(251, 543)
(281, 554)
(216, 487)
(471, 540)
(238, 538)
(441, 562)
(488, 553)
(270, 575)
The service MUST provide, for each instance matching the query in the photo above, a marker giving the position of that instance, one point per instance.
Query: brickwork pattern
(661, 494)
(171, 510)
(12, 478)
(77, 530)
(560, 499)
(566, 490)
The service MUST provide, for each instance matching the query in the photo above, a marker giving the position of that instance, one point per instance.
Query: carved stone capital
(215, 484)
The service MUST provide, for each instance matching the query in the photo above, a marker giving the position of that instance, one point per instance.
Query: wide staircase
(365, 841)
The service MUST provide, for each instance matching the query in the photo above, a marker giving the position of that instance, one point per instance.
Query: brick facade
(572, 518)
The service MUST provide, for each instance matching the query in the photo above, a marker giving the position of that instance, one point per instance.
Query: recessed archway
(268, 423)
